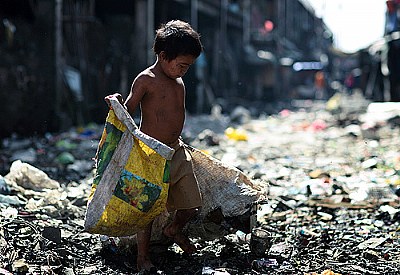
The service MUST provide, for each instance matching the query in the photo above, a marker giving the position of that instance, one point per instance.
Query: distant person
(349, 82)
(159, 91)
(319, 84)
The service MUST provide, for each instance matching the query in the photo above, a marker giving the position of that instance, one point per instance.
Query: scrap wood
(348, 205)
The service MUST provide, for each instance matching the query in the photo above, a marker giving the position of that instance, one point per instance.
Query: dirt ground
(333, 175)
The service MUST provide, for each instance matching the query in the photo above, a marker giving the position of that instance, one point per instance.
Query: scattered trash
(30, 177)
(372, 243)
(20, 266)
(325, 272)
(11, 200)
(4, 188)
(264, 265)
(260, 242)
(236, 134)
(240, 115)
(52, 233)
(218, 271)
(65, 158)
(333, 197)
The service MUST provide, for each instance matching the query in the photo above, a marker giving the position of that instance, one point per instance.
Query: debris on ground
(333, 179)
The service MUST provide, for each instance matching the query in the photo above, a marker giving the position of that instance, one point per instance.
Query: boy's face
(177, 67)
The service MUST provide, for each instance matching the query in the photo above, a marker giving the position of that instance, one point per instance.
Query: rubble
(333, 197)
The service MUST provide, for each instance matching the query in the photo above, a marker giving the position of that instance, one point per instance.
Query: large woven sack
(130, 187)
(223, 186)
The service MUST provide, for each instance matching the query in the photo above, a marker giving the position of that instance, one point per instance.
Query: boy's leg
(143, 248)
(174, 229)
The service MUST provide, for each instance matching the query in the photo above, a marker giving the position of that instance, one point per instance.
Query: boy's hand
(115, 95)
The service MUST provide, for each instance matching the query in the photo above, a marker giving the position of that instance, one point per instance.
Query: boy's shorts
(184, 192)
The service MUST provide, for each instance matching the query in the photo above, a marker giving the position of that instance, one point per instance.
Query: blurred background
(58, 59)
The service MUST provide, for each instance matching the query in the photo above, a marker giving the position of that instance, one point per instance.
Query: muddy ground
(333, 171)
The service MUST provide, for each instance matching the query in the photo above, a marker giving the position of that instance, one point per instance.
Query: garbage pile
(333, 171)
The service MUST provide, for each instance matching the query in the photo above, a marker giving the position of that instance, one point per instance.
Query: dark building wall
(107, 43)
(26, 67)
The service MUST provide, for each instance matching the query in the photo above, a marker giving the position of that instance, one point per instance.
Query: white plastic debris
(30, 177)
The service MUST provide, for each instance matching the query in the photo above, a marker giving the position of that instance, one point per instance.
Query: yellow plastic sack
(130, 187)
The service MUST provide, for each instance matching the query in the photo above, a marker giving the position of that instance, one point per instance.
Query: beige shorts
(183, 191)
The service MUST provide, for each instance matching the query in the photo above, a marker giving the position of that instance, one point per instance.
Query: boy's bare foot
(180, 239)
(144, 264)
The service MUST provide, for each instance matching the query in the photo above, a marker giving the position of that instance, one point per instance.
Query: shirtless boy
(160, 93)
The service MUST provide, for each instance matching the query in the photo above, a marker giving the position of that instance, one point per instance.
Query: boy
(160, 93)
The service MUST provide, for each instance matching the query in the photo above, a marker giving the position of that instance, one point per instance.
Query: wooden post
(139, 43)
(222, 47)
(193, 14)
(246, 22)
(58, 55)
(150, 31)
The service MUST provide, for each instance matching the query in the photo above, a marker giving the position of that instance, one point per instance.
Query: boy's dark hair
(177, 38)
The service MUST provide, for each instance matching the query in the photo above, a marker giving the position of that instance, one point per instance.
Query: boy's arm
(136, 94)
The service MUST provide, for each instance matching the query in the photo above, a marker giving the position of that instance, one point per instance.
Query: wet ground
(333, 171)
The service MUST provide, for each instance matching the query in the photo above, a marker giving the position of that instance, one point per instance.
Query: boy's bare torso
(162, 104)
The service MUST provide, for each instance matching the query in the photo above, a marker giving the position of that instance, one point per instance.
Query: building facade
(62, 57)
